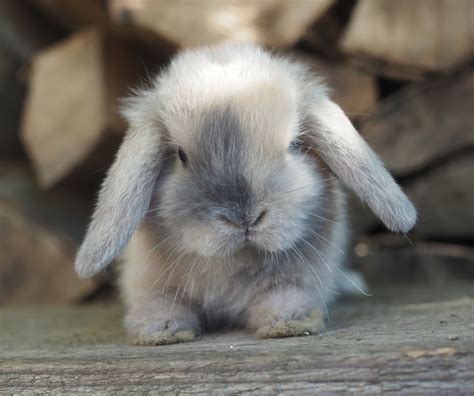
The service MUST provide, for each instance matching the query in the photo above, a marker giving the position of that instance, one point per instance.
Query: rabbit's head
(229, 148)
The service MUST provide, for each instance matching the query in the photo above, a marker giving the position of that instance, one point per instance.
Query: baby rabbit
(227, 187)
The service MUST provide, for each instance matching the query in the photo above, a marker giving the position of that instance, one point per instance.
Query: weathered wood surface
(399, 341)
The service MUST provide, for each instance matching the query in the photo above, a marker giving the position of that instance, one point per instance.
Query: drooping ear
(346, 153)
(123, 200)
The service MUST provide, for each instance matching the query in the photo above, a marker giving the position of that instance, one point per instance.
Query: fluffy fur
(230, 170)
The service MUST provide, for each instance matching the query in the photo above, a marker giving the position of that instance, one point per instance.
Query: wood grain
(399, 341)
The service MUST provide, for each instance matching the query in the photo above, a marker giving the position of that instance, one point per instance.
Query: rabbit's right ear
(351, 159)
(123, 200)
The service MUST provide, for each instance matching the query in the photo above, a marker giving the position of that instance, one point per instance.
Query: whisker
(409, 240)
(318, 254)
(308, 265)
(352, 281)
(316, 234)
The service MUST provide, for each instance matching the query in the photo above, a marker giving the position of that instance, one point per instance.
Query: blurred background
(402, 70)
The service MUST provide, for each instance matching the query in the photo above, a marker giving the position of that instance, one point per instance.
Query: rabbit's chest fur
(220, 289)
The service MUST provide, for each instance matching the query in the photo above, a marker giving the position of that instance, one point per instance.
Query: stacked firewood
(402, 70)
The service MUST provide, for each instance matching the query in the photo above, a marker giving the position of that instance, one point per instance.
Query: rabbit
(228, 191)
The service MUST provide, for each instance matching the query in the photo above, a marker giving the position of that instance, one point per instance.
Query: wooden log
(423, 124)
(405, 38)
(387, 259)
(23, 32)
(421, 133)
(78, 84)
(36, 264)
(276, 23)
(63, 210)
(354, 90)
(74, 14)
(444, 198)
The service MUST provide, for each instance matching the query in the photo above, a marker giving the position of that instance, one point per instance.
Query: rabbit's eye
(183, 156)
(297, 146)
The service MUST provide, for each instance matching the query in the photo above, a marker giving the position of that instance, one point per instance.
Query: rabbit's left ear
(123, 200)
(332, 135)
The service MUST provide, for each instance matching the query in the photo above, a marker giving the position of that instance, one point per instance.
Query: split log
(354, 90)
(423, 124)
(387, 259)
(78, 84)
(405, 38)
(276, 23)
(36, 264)
(74, 14)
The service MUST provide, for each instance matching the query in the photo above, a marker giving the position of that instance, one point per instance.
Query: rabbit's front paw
(312, 324)
(163, 333)
(285, 313)
(154, 327)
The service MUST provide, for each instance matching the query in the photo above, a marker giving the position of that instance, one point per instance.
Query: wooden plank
(399, 341)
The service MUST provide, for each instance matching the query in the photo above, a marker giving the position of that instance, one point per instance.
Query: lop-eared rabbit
(227, 191)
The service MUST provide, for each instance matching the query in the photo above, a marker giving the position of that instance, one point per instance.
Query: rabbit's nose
(245, 222)
(259, 218)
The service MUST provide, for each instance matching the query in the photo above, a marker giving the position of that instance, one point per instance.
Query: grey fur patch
(218, 161)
